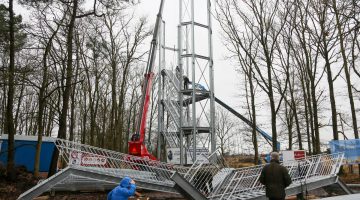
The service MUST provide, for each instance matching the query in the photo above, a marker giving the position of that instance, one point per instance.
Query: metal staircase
(171, 105)
(308, 174)
(172, 138)
(171, 78)
(215, 181)
(91, 168)
(173, 108)
(100, 169)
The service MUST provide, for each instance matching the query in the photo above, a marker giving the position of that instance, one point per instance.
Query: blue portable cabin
(350, 148)
(25, 148)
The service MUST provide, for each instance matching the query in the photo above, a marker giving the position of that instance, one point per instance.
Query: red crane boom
(137, 145)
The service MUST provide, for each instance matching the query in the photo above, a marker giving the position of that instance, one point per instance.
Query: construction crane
(137, 145)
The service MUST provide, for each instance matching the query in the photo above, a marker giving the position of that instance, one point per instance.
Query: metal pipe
(160, 95)
(211, 74)
(180, 95)
(194, 123)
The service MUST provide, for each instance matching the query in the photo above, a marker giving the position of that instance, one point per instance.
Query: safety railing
(172, 138)
(172, 111)
(172, 78)
(207, 174)
(171, 89)
(116, 164)
(246, 180)
(210, 176)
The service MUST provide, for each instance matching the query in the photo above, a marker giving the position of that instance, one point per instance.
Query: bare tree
(42, 90)
(263, 21)
(306, 59)
(325, 41)
(9, 117)
(224, 127)
(342, 35)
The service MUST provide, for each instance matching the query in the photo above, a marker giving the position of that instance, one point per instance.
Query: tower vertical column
(193, 96)
(160, 139)
(211, 74)
(196, 95)
(180, 95)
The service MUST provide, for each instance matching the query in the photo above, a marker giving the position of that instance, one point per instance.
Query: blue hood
(125, 182)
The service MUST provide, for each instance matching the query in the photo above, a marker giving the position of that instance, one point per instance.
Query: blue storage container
(25, 148)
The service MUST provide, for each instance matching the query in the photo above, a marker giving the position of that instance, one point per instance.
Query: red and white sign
(87, 159)
(299, 154)
(291, 155)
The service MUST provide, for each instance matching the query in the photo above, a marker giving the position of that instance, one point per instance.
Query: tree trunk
(42, 104)
(19, 104)
(331, 91)
(308, 118)
(253, 118)
(9, 119)
(50, 122)
(271, 97)
(4, 106)
(104, 124)
(123, 89)
(73, 94)
(97, 99)
(295, 115)
(316, 137)
(273, 122)
(289, 123)
(67, 92)
(84, 120)
(113, 117)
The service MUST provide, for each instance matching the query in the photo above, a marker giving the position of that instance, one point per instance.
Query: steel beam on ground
(345, 187)
(183, 185)
(45, 185)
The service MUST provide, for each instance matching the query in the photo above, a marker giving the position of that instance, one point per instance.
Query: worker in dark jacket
(275, 177)
(123, 191)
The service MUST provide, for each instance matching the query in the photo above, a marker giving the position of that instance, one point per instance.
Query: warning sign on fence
(291, 155)
(173, 155)
(87, 159)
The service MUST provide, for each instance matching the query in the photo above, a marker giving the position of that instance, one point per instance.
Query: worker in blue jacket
(124, 190)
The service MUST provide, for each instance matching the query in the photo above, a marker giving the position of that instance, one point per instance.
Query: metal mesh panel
(244, 181)
(115, 163)
(205, 175)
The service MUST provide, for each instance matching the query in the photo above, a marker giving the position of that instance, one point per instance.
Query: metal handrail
(172, 111)
(173, 79)
(207, 174)
(210, 176)
(115, 163)
(246, 180)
